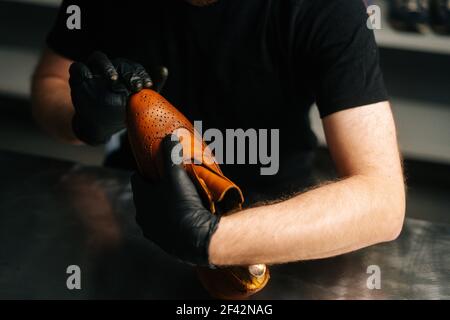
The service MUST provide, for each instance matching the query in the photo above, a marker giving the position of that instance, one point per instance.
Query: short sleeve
(345, 57)
(75, 44)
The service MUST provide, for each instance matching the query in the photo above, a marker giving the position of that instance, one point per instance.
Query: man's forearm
(330, 220)
(52, 107)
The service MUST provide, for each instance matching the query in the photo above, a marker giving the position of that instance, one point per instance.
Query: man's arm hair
(51, 102)
(364, 207)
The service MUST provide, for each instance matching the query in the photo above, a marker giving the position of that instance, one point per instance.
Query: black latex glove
(100, 91)
(171, 213)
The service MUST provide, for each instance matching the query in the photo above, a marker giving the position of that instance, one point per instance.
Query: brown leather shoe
(150, 118)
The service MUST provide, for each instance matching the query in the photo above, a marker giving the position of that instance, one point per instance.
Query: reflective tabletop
(56, 214)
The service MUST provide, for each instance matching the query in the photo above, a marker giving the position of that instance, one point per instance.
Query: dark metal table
(54, 214)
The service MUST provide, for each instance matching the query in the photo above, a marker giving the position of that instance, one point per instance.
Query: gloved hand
(100, 90)
(171, 213)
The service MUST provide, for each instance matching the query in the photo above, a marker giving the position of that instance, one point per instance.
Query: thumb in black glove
(171, 213)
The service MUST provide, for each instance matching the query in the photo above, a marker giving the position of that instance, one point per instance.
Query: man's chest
(229, 69)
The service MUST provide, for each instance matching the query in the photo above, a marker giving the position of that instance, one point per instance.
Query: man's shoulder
(305, 14)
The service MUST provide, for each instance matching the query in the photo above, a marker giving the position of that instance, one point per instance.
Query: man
(239, 64)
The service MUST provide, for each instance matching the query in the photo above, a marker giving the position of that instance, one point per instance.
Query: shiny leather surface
(54, 214)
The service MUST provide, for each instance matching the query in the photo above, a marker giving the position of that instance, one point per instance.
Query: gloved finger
(162, 78)
(100, 63)
(148, 83)
(79, 72)
(172, 151)
(141, 74)
(136, 78)
(133, 74)
(180, 185)
(135, 82)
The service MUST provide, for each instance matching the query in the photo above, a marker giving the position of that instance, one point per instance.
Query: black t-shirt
(241, 64)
